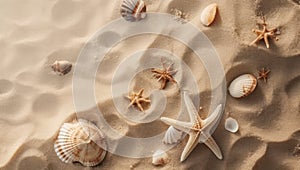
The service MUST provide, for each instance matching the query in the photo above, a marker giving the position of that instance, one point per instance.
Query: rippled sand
(34, 102)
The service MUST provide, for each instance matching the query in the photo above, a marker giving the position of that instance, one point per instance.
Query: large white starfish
(199, 130)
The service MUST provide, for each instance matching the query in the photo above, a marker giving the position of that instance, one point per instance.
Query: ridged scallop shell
(133, 10)
(173, 136)
(61, 67)
(208, 14)
(231, 125)
(242, 86)
(80, 142)
(159, 158)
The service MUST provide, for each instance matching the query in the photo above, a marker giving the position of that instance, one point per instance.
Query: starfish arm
(212, 145)
(170, 67)
(257, 39)
(266, 40)
(140, 92)
(182, 126)
(170, 78)
(212, 119)
(160, 77)
(156, 71)
(193, 113)
(131, 103)
(145, 100)
(191, 144)
(163, 83)
(140, 106)
(257, 32)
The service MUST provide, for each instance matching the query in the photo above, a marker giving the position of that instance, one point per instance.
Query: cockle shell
(242, 86)
(61, 67)
(173, 136)
(208, 14)
(133, 10)
(231, 125)
(82, 142)
(159, 158)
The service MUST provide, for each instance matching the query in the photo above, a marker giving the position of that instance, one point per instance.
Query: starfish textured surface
(164, 75)
(265, 33)
(263, 74)
(199, 130)
(137, 99)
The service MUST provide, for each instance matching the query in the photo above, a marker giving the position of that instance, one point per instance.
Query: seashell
(159, 158)
(208, 14)
(242, 86)
(133, 10)
(61, 67)
(231, 125)
(80, 142)
(173, 136)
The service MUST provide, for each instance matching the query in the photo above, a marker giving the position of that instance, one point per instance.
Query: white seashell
(173, 136)
(242, 86)
(208, 14)
(133, 10)
(231, 125)
(80, 142)
(61, 67)
(159, 158)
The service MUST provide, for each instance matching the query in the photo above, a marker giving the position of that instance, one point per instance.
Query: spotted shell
(208, 14)
(61, 67)
(173, 136)
(231, 125)
(159, 158)
(133, 10)
(242, 86)
(82, 142)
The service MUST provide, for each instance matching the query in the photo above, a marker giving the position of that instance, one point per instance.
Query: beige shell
(61, 67)
(208, 14)
(173, 136)
(159, 158)
(231, 125)
(133, 10)
(242, 86)
(82, 142)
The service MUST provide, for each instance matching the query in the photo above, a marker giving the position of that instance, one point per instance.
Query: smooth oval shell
(133, 10)
(82, 142)
(173, 136)
(242, 86)
(61, 67)
(231, 125)
(159, 158)
(208, 14)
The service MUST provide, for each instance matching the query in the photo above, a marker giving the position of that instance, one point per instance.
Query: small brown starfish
(164, 75)
(263, 74)
(265, 33)
(137, 99)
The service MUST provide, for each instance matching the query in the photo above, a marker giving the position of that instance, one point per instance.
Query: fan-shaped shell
(133, 10)
(242, 86)
(208, 14)
(82, 142)
(231, 125)
(173, 136)
(159, 158)
(61, 67)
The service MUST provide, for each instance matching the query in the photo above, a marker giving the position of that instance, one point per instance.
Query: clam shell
(159, 158)
(61, 67)
(242, 86)
(133, 10)
(208, 14)
(231, 125)
(80, 142)
(173, 136)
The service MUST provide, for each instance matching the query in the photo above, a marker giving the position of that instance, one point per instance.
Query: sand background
(34, 102)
